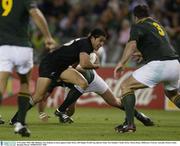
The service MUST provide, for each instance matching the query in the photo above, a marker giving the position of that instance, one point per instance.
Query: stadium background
(69, 19)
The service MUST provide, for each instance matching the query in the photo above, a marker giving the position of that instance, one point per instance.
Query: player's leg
(41, 105)
(113, 101)
(6, 68)
(23, 105)
(24, 63)
(23, 97)
(99, 86)
(41, 88)
(3, 83)
(128, 100)
(74, 77)
(41, 108)
(71, 109)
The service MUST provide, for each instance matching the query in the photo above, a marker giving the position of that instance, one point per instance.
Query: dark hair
(97, 32)
(141, 11)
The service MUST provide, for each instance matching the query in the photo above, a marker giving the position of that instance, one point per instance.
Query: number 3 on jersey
(160, 30)
(6, 6)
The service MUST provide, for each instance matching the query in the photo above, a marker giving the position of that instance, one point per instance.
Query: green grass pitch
(94, 124)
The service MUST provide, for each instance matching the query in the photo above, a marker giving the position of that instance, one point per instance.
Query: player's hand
(118, 70)
(50, 44)
(137, 56)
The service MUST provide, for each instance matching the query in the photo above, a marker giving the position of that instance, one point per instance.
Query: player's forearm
(128, 51)
(40, 21)
(90, 66)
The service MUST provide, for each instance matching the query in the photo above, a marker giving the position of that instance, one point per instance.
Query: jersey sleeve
(135, 33)
(29, 4)
(85, 46)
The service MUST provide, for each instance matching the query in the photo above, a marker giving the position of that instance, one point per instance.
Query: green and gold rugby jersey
(152, 40)
(14, 22)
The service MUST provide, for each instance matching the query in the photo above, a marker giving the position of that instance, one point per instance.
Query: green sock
(24, 106)
(137, 114)
(15, 117)
(129, 103)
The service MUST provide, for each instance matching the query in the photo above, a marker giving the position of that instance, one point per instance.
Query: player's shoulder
(84, 41)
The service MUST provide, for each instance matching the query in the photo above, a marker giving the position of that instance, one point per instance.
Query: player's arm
(85, 62)
(128, 52)
(41, 23)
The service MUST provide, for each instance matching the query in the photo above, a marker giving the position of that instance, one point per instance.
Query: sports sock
(129, 102)
(72, 96)
(176, 100)
(24, 105)
(137, 114)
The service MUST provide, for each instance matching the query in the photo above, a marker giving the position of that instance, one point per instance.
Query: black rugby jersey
(152, 40)
(68, 54)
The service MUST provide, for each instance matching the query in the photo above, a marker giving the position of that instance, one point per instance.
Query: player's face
(98, 42)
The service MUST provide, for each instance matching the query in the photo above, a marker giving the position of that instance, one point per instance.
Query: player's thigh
(98, 85)
(130, 85)
(24, 78)
(3, 81)
(24, 82)
(71, 75)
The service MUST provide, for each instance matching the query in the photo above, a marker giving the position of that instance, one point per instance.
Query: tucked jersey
(152, 40)
(14, 20)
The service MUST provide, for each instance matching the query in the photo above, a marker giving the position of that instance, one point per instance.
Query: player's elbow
(132, 45)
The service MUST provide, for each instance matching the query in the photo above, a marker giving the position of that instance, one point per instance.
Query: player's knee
(125, 89)
(83, 84)
(37, 98)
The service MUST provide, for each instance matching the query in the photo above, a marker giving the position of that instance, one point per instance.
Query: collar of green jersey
(143, 19)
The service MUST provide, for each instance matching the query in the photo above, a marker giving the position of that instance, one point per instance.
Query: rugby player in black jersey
(55, 65)
(162, 63)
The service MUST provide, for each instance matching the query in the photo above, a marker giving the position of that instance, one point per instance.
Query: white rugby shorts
(155, 72)
(98, 85)
(16, 57)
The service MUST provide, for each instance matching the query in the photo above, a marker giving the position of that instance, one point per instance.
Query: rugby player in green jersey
(148, 37)
(15, 49)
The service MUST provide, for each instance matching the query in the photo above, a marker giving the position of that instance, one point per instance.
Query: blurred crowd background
(69, 19)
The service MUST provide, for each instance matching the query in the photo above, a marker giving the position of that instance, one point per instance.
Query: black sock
(24, 106)
(136, 113)
(72, 97)
(129, 103)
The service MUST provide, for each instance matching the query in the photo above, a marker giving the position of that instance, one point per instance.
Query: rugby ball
(93, 57)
